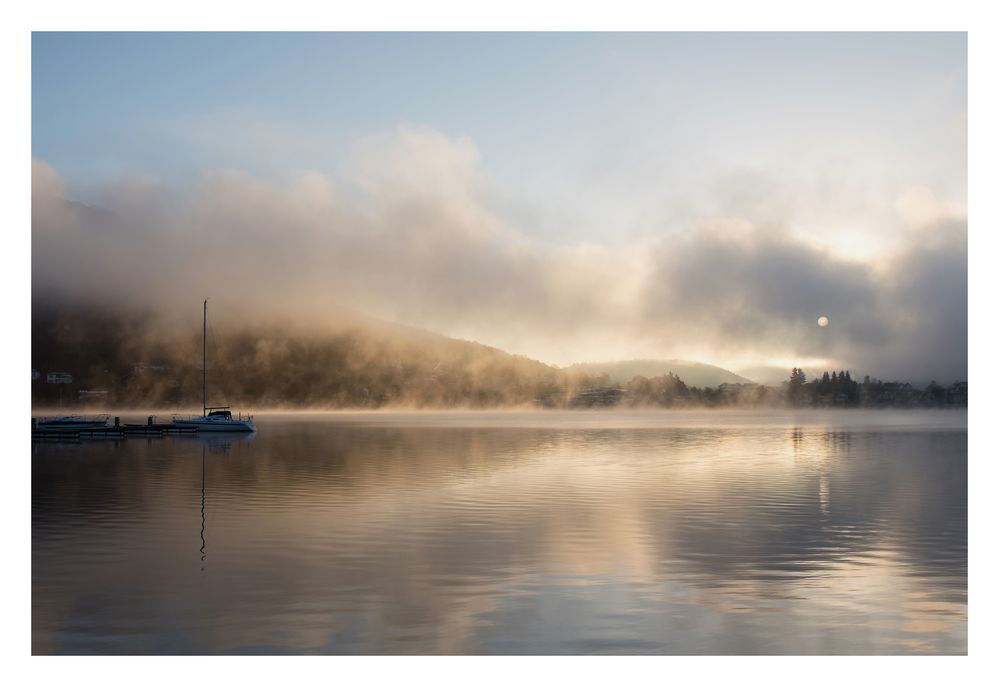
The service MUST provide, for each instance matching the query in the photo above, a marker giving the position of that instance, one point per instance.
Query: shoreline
(604, 418)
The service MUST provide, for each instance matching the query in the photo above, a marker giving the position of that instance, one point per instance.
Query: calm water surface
(510, 533)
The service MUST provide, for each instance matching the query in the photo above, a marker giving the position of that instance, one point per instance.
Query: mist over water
(485, 533)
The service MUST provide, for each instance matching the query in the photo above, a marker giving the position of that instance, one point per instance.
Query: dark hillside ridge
(692, 373)
(364, 364)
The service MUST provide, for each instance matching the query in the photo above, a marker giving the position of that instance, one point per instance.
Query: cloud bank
(415, 233)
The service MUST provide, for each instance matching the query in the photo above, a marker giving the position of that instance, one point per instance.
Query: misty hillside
(692, 373)
(140, 360)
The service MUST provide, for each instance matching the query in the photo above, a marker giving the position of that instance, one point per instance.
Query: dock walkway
(115, 432)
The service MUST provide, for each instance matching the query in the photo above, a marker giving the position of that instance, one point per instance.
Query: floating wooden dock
(110, 432)
(162, 428)
(44, 435)
(77, 434)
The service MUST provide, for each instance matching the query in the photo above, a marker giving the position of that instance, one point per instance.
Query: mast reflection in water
(203, 554)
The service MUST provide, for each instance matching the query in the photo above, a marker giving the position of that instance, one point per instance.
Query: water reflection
(218, 444)
(203, 554)
(340, 538)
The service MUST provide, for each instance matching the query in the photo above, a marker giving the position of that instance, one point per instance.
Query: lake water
(510, 533)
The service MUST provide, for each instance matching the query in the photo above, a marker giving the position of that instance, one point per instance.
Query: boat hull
(203, 425)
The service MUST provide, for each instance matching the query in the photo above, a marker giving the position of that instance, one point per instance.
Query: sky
(570, 197)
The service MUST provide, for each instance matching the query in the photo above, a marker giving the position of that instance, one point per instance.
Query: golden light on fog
(823, 321)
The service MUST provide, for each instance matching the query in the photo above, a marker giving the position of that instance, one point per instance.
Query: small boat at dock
(70, 423)
(217, 420)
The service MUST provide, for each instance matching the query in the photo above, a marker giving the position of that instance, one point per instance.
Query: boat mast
(204, 362)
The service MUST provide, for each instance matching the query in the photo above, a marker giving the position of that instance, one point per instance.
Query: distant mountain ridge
(692, 373)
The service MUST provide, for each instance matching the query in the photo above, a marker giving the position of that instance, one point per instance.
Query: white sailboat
(213, 418)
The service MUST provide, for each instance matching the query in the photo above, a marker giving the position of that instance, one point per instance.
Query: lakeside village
(830, 390)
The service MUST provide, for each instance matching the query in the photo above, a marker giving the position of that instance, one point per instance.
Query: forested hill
(692, 373)
(140, 361)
